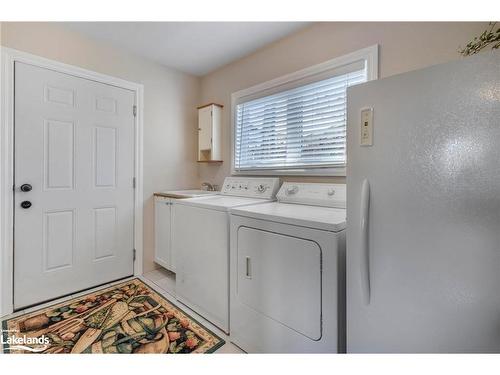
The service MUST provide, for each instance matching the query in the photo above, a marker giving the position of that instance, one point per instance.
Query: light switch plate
(366, 127)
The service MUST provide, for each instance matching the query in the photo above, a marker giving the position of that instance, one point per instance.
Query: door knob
(26, 187)
(26, 204)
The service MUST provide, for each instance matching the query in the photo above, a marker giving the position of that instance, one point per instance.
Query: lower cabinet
(163, 233)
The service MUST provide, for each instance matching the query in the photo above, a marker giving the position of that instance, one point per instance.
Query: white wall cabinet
(163, 233)
(210, 133)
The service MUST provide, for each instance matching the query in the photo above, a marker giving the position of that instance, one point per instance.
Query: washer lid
(219, 202)
(324, 218)
(181, 194)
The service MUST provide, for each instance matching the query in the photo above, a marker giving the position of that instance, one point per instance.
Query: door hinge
(134, 110)
(133, 254)
(133, 182)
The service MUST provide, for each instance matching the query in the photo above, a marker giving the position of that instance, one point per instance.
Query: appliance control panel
(252, 187)
(366, 127)
(314, 194)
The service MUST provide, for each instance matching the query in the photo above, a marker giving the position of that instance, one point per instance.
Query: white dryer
(200, 240)
(287, 271)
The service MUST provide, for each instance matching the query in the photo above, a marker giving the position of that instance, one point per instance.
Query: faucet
(208, 186)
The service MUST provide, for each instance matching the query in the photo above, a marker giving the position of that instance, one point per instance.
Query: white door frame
(8, 58)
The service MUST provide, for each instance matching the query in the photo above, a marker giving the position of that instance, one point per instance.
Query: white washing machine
(200, 240)
(287, 266)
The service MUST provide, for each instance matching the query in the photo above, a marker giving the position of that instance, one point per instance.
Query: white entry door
(74, 193)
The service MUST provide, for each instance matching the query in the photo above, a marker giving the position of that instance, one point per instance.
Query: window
(297, 124)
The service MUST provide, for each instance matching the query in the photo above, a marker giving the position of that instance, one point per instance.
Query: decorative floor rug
(129, 317)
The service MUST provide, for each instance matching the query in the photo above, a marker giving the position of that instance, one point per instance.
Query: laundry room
(212, 184)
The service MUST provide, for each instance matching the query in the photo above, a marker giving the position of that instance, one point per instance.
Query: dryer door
(276, 273)
(287, 288)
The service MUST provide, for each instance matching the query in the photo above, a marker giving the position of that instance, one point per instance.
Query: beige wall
(171, 97)
(170, 100)
(403, 47)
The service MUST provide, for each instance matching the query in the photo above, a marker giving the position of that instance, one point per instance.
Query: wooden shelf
(209, 161)
(209, 104)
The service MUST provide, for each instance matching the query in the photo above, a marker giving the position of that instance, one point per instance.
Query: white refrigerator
(423, 210)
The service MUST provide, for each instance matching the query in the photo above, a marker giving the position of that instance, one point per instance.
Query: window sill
(324, 172)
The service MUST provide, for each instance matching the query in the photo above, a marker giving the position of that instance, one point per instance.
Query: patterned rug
(126, 318)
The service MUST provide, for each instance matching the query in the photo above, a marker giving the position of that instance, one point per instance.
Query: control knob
(261, 188)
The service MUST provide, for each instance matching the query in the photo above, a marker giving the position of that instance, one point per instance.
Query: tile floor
(162, 281)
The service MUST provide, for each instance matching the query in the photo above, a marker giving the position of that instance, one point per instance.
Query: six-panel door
(74, 144)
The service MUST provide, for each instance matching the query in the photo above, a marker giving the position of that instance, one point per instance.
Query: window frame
(369, 55)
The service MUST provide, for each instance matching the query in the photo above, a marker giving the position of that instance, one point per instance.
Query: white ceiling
(192, 47)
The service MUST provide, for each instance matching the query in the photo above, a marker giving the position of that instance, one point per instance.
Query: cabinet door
(163, 233)
(205, 128)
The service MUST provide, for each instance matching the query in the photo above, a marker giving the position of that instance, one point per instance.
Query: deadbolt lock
(26, 187)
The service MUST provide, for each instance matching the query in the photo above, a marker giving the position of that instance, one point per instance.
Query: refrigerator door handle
(365, 247)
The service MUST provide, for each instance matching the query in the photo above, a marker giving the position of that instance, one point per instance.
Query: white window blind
(296, 128)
